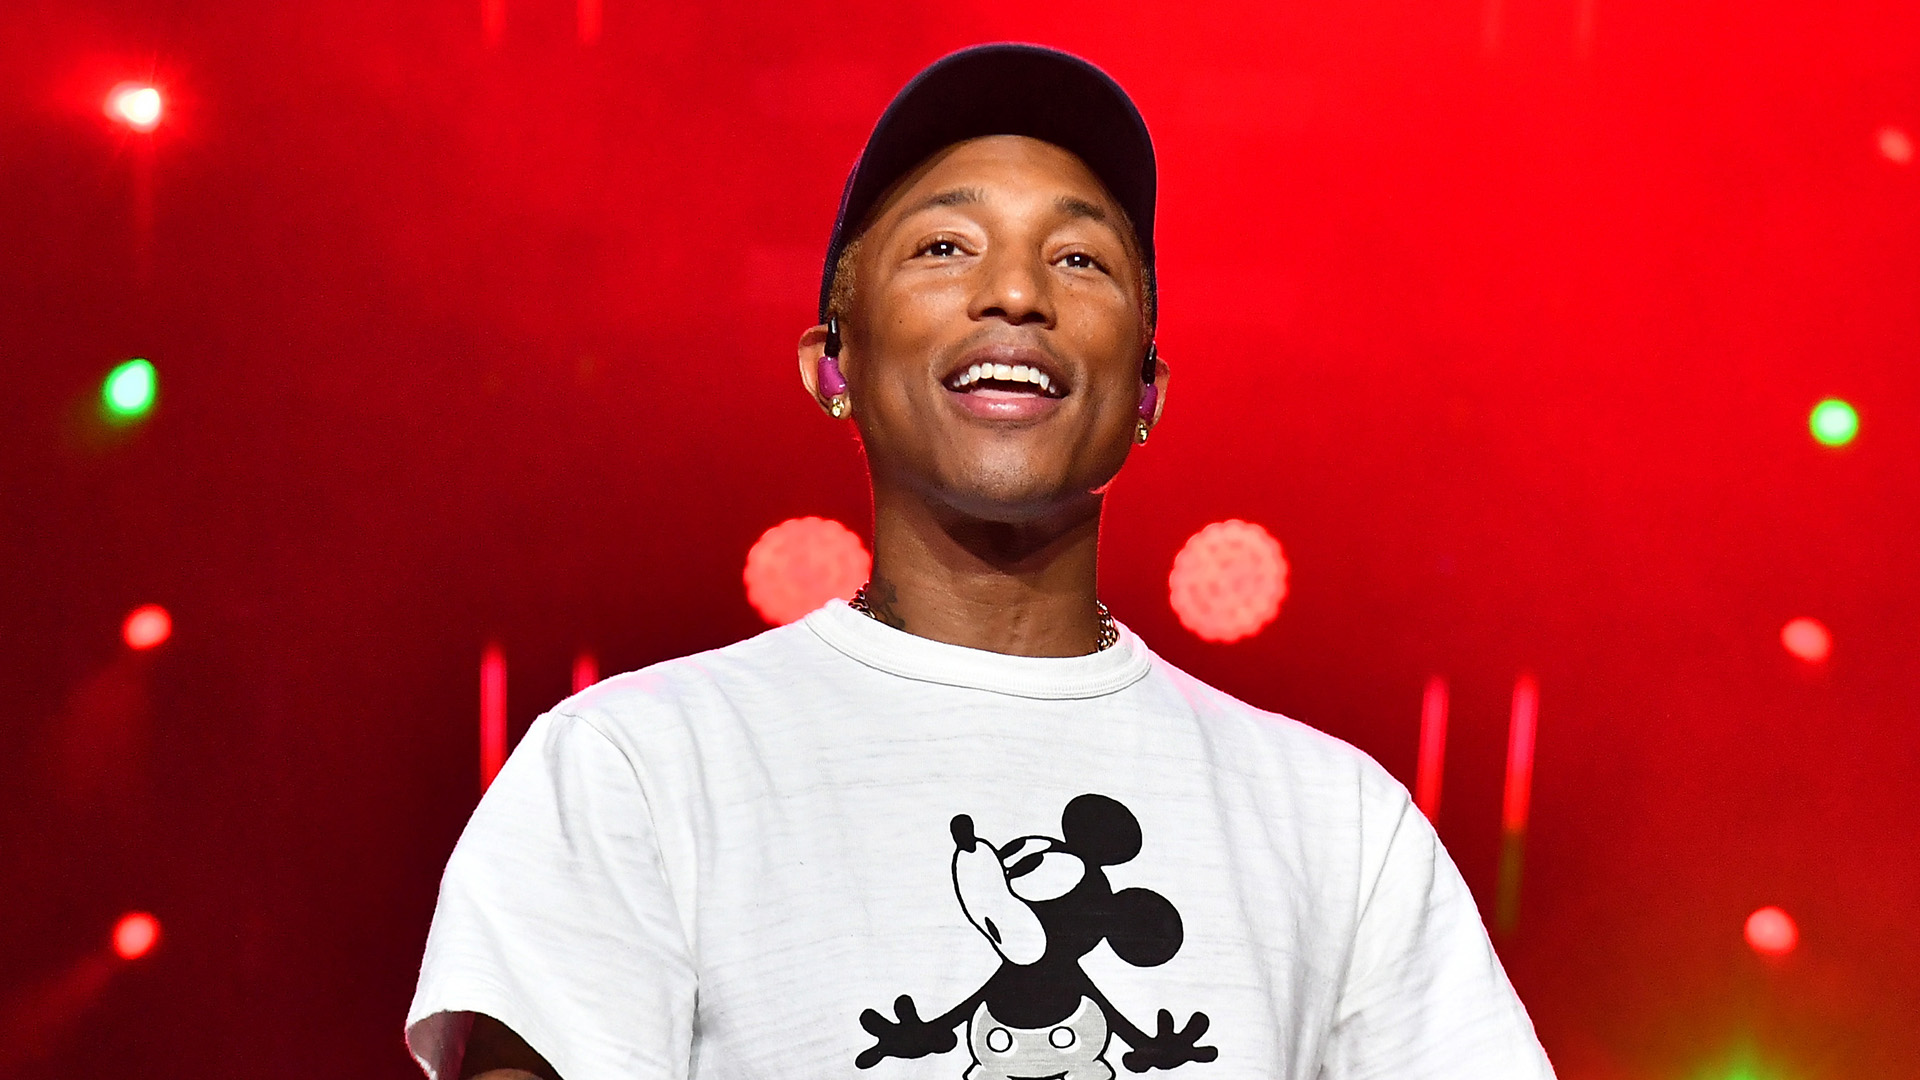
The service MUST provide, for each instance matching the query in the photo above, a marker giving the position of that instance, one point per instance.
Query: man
(967, 826)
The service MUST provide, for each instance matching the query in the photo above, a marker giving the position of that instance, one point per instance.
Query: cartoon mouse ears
(1143, 928)
(1100, 830)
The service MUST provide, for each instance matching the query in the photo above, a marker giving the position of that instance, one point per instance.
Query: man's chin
(1017, 500)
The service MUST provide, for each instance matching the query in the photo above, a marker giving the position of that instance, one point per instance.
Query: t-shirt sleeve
(555, 918)
(1425, 996)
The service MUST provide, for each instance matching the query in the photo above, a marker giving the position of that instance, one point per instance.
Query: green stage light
(1834, 423)
(130, 389)
(1741, 1061)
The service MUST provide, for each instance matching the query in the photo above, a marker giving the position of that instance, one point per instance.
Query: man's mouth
(1004, 380)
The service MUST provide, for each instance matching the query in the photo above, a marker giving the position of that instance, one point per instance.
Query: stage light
(1896, 145)
(1521, 728)
(1517, 800)
(493, 713)
(135, 935)
(1771, 932)
(1833, 422)
(1433, 748)
(1739, 1062)
(586, 670)
(1228, 581)
(136, 105)
(802, 563)
(129, 390)
(146, 626)
(1807, 639)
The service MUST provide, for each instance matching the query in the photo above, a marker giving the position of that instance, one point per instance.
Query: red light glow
(493, 713)
(1519, 794)
(1228, 581)
(135, 935)
(1771, 932)
(1807, 639)
(1896, 145)
(1433, 748)
(586, 671)
(146, 627)
(136, 105)
(802, 563)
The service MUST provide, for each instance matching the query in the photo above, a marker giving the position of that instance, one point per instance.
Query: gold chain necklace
(1109, 630)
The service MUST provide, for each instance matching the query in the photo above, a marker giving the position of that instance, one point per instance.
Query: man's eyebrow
(1074, 206)
(949, 197)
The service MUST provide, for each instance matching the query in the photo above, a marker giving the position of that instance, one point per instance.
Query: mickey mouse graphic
(1043, 904)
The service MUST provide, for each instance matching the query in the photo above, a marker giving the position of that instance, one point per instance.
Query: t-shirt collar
(878, 645)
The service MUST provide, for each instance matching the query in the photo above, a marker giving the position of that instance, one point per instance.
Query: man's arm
(494, 1052)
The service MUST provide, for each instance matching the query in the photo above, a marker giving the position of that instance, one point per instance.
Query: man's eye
(1080, 260)
(939, 249)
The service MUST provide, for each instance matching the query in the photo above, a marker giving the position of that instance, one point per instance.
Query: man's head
(994, 294)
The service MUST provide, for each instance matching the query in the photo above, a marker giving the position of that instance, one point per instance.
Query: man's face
(1001, 256)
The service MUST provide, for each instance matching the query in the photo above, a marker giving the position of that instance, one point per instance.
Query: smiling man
(968, 826)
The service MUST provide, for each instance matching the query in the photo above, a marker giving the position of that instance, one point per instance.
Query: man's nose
(1016, 288)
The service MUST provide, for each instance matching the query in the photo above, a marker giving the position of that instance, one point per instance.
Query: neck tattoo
(882, 611)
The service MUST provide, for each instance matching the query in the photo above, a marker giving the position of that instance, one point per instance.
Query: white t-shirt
(839, 850)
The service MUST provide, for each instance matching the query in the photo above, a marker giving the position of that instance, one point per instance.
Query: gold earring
(838, 406)
(1140, 430)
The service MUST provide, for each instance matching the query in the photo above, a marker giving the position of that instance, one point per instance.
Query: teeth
(1003, 373)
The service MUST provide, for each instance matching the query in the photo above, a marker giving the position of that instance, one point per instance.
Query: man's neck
(1021, 589)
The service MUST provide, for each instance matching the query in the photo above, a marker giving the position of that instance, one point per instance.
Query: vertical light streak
(1519, 793)
(493, 20)
(493, 713)
(586, 670)
(589, 12)
(1433, 748)
(1526, 712)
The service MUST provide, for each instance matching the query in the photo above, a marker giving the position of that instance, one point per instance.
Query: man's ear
(813, 346)
(1161, 373)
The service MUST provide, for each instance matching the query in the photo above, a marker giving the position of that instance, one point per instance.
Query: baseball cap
(1004, 88)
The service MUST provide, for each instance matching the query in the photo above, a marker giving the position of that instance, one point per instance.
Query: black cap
(1005, 89)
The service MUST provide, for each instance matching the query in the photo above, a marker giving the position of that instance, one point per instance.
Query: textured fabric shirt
(837, 849)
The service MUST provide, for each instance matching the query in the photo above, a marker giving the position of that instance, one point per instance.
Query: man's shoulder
(699, 682)
(1265, 739)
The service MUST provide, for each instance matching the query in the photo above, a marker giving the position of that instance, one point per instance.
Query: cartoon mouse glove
(907, 1036)
(1168, 1048)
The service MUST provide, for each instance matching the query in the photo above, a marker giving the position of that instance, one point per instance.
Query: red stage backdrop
(470, 328)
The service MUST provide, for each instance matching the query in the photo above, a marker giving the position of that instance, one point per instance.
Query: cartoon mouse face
(1037, 896)
(1044, 902)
